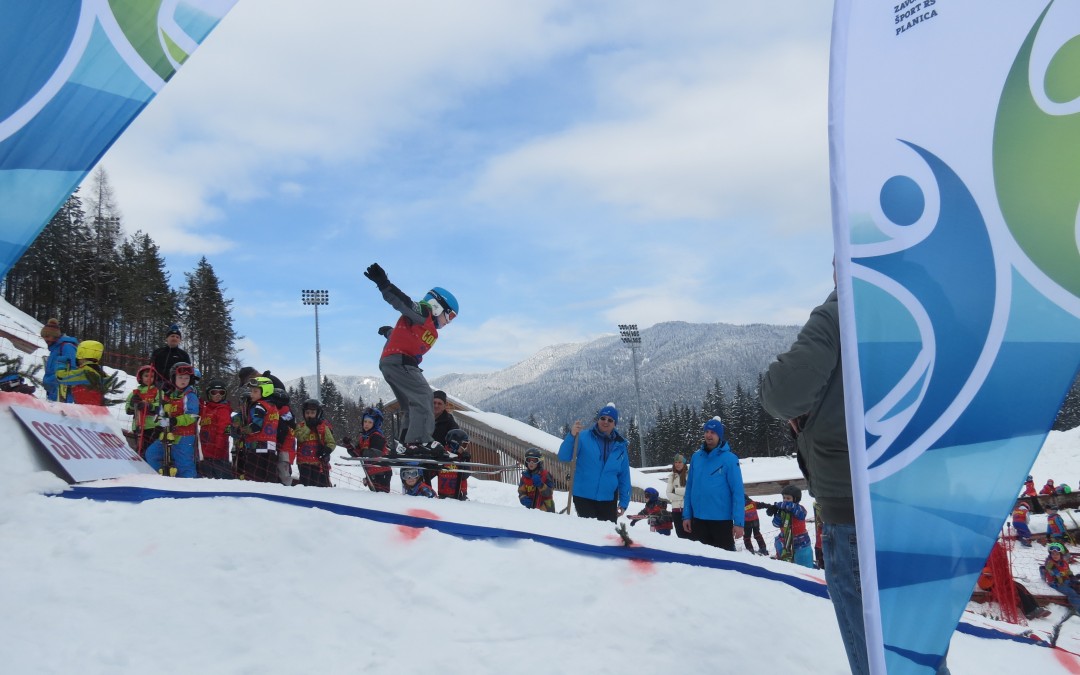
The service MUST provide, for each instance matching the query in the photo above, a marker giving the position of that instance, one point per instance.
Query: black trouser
(215, 468)
(753, 527)
(314, 475)
(261, 466)
(676, 515)
(590, 508)
(716, 533)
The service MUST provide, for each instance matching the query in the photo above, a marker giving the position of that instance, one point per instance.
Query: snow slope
(241, 584)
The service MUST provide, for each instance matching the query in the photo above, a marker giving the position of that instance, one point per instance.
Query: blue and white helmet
(442, 300)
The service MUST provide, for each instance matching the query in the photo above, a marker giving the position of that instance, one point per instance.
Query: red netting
(1003, 592)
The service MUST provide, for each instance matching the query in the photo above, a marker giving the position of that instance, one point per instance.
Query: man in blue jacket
(61, 357)
(603, 466)
(713, 506)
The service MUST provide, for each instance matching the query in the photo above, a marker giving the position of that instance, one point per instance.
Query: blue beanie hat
(609, 411)
(716, 426)
(174, 329)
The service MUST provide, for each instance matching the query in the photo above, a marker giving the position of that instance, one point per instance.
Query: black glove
(761, 505)
(633, 522)
(385, 331)
(377, 275)
(771, 510)
(325, 452)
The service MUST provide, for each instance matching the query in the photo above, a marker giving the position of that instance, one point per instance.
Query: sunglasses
(605, 418)
(254, 382)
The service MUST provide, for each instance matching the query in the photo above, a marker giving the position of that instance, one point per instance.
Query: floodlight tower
(632, 339)
(316, 298)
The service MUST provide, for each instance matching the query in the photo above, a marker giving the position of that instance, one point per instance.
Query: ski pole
(573, 470)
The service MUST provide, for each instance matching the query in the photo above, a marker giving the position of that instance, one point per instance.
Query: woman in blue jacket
(603, 467)
(713, 506)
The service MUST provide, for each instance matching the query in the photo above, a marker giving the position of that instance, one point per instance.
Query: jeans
(841, 553)
(840, 549)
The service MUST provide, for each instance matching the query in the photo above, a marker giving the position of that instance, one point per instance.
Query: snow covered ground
(234, 584)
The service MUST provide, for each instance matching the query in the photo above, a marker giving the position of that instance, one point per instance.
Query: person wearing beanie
(713, 506)
(444, 424)
(61, 357)
(602, 469)
(676, 490)
(164, 358)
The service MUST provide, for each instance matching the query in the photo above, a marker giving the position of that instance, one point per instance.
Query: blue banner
(73, 75)
(955, 139)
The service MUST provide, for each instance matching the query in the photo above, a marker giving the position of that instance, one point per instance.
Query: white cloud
(690, 138)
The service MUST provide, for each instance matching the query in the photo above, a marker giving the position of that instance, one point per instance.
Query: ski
(469, 470)
(403, 461)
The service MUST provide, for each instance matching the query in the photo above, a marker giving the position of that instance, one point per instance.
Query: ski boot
(430, 450)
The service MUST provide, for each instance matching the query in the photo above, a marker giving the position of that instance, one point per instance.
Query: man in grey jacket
(805, 386)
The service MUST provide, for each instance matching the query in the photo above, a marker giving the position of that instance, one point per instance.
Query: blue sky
(561, 167)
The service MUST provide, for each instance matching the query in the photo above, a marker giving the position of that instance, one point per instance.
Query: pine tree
(207, 318)
(100, 266)
(532, 421)
(146, 304)
(40, 283)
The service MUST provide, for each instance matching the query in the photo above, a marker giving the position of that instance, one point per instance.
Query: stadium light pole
(316, 298)
(631, 337)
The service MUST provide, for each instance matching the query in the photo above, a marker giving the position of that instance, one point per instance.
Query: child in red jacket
(752, 528)
(660, 519)
(215, 416)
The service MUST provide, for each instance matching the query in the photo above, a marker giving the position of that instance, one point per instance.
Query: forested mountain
(679, 363)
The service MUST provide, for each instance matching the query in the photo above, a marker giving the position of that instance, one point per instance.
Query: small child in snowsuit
(314, 445)
(752, 527)
(793, 543)
(453, 482)
(1055, 526)
(412, 336)
(412, 485)
(1020, 523)
(1058, 575)
(215, 416)
(371, 443)
(86, 382)
(536, 487)
(258, 429)
(142, 404)
(1048, 489)
(660, 519)
(176, 422)
(1029, 488)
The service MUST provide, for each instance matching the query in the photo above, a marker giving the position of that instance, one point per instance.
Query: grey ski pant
(414, 396)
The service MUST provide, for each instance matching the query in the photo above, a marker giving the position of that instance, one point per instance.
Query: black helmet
(534, 453)
(183, 368)
(457, 440)
(796, 493)
(215, 385)
(312, 404)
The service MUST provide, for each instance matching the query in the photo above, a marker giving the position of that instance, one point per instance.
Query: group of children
(1049, 488)
(179, 434)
